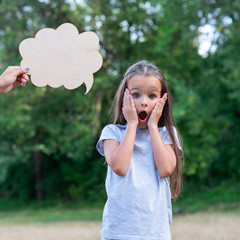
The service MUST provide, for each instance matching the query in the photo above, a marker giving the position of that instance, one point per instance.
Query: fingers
(22, 77)
(21, 80)
(129, 110)
(163, 99)
(128, 100)
(16, 70)
(161, 102)
(157, 111)
(125, 99)
(21, 71)
(19, 74)
(131, 102)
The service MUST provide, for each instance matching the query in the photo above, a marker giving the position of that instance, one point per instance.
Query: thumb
(19, 70)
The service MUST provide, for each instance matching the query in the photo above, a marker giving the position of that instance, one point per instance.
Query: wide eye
(135, 95)
(152, 96)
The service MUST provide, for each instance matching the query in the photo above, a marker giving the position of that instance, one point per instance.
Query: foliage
(222, 198)
(48, 136)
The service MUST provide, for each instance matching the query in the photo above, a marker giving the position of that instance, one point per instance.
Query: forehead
(144, 82)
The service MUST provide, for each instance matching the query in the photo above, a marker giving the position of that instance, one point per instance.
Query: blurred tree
(226, 75)
(48, 135)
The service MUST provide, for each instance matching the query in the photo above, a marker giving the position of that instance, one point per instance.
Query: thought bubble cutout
(61, 57)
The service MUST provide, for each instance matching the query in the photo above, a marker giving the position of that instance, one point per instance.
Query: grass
(51, 215)
(223, 198)
(35, 213)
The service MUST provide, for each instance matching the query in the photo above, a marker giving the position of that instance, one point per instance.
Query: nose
(144, 102)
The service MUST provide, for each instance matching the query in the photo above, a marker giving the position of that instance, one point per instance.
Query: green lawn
(50, 215)
(45, 212)
(224, 198)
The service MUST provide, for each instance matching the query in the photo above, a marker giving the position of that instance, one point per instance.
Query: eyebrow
(152, 89)
(133, 89)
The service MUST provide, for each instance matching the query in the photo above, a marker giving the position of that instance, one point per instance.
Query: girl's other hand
(129, 110)
(157, 111)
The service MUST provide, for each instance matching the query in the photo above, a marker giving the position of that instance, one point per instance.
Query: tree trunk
(38, 175)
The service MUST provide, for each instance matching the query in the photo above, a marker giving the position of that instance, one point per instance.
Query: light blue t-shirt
(138, 206)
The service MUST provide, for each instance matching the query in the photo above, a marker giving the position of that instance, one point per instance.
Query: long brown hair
(144, 68)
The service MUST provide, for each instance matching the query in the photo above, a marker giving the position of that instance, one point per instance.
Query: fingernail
(27, 68)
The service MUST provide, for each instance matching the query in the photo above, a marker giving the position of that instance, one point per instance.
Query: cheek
(135, 102)
(154, 103)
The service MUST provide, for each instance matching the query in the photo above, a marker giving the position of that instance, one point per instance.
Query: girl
(143, 150)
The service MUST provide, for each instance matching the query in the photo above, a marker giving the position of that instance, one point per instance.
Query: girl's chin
(142, 123)
(142, 127)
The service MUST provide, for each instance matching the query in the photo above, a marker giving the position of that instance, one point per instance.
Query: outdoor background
(50, 170)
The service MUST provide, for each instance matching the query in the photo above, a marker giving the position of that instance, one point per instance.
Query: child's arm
(118, 155)
(164, 156)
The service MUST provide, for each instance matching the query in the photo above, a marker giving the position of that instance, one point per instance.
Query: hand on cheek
(157, 111)
(129, 110)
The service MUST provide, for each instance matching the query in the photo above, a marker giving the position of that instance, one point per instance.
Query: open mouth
(142, 115)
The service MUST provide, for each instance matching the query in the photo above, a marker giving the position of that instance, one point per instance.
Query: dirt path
(51, 231)
(214, 226)
(201, 226)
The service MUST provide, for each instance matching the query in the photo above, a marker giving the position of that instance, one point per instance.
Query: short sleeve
(108, 132)
(167, 138)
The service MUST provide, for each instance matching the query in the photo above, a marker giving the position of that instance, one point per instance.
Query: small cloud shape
(61, 57)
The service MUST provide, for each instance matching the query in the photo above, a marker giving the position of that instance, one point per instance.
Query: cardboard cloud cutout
(61, 57)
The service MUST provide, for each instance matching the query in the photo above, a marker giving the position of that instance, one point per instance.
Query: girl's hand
(129, 110)
(157, 111)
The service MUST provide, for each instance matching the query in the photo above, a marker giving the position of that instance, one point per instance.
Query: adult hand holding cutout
(13, 76)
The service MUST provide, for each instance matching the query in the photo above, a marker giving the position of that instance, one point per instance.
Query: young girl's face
(145, 90)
